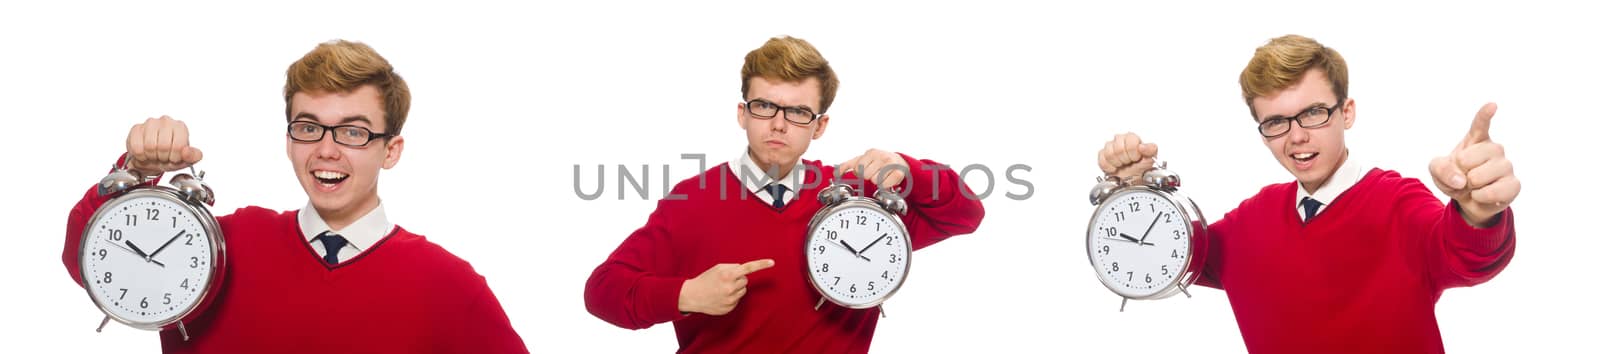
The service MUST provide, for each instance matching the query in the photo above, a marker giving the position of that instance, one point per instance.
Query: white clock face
(1139, 243)
(147, 260)
(858, 256)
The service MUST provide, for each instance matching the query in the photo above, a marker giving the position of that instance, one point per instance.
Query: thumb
(1446, 175)
(849, 165)
(1480, 124)
(1147, 150)
(756, 265)
(192, 155)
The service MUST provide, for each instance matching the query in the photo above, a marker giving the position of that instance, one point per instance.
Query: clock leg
(1124, 305)
(183, 331)
(819, 304)
(1185, 290)
(102, 324)
(881, 313)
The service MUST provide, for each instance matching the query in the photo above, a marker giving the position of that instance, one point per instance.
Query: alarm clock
(1146, 241)
(857, 250)
(152, 257)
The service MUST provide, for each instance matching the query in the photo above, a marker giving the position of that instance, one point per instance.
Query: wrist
(684, 305)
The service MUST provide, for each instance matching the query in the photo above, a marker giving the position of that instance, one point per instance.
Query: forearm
(630, 298)
(939, 204)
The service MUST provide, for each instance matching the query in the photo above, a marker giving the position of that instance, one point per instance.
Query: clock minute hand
(1152, 227)
(874, 242)
(164, 245)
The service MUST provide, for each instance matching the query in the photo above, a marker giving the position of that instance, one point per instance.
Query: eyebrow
(342, 121)
(1302, 110)
(808, 108)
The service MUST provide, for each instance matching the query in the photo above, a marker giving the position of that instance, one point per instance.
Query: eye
(798, 113)
(759, 104)
(353, 132)
(1316, 111)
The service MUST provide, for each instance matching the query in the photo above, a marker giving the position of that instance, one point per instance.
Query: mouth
(776, 143)
(1303, 160)
(329, 179)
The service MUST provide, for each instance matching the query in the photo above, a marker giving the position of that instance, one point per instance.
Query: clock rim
(871, 205)
(217, 263)
(1197, 241)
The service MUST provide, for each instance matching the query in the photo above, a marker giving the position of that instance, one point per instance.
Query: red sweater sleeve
(939, 205)
(77, 220)
(633, 288)
(1452, 252)
(1232, 223)
(1211, 270)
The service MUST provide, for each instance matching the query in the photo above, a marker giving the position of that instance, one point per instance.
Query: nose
(1298, 134)
(327, 149)
(780, 123)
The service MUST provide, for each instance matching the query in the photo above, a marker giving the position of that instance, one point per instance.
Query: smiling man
(1345, 259)
(724, 263)
(336, 276)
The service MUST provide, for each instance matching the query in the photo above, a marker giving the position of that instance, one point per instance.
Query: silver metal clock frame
(839, 197)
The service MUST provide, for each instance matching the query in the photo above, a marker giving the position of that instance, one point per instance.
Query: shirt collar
(1343, 178)
(363, 233)
(758, 184)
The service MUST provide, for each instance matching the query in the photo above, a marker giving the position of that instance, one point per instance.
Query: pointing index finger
(756, 265)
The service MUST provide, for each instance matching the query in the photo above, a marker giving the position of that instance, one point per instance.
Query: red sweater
(638, 286)
(402, 295)
(1360, 277)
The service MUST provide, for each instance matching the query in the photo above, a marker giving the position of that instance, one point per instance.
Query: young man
(724, 263)
(336, 276)
(1345, 259)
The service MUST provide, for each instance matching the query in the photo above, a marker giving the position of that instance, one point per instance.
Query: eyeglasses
(764, 109)
(1311, 118)
(347, 135)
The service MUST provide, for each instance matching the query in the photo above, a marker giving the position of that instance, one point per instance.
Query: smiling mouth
(1304, 156)
(329, 178)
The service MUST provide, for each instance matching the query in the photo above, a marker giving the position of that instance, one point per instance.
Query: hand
(160, 145)
(1126, 157)
(718, 290)
(1476, 174)
(872, 165)
(164, 245)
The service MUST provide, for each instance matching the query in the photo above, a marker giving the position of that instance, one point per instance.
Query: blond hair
(341, 66)
(789, 59)
(1284, 61)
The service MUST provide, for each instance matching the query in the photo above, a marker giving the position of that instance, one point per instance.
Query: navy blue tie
(332, 243)
(777, 194)
(1311, 206)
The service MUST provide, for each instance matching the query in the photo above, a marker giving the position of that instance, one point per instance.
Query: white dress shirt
(362, 234)
(1343, 178)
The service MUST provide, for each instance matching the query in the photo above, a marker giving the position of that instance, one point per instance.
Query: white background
(509, 98)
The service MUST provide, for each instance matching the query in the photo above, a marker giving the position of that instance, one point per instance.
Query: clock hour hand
(136, 251)
(852, 250)
(1134, 240)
